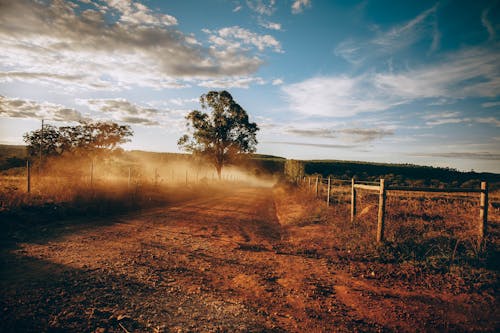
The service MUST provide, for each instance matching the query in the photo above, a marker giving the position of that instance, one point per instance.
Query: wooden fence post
(92, 174)
(353, 201)
(381, 212)
(483, 213)
(317, 186)
(328, 193)
(28, 176)
(309, 186)
(129, 176)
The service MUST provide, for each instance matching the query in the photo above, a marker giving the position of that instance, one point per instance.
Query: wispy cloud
(454, 117)
(490, 104)
(392, 40)
(443, 117)
(461, 155)
(353, 135)
(487, 24)
(473, 72)
(315, 132)
(76, 80)
(124, 111)
(168, 114)
(307, 144)
(262, 7)
(298, 6)
(488, 120)
(28, 109)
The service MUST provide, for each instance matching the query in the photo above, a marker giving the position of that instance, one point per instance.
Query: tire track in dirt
(222, 263)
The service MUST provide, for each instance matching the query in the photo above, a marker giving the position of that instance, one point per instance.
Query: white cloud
(277, 82)
(20, 108)
(270, 25)
(56, 43)
(122, 110)
(182, 101)
(337, 96)
(235, 37)
(473, 72)
(262, 7)
(299, 5)
(490, 104)
(137, 13)
(233, 82)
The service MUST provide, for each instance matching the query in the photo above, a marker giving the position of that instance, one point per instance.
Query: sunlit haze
(384, 81)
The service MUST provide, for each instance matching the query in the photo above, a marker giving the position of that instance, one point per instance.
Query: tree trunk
(219, 170)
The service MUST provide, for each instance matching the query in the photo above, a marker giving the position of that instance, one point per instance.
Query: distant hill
(404, 174)
(12, 156)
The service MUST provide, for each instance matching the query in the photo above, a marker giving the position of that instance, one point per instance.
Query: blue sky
(385, 81)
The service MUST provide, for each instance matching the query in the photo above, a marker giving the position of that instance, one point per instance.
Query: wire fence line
(134, 176)
(323, 187)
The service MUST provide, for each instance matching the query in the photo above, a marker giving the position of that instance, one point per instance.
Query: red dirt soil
(228, 263)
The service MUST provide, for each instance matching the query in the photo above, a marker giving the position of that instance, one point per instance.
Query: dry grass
(63, 194)
(430, 238)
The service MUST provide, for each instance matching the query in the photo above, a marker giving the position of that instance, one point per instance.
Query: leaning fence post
(328, 193)
(483, 212)
(381, 212)
(28, 176)
(353, 200)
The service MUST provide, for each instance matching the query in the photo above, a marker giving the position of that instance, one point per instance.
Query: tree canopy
(82, 138)
(222, 135)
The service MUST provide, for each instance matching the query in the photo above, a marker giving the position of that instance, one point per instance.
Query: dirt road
(223, 263)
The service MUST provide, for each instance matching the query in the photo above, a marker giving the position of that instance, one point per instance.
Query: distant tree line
(400, 174)
(83, 139)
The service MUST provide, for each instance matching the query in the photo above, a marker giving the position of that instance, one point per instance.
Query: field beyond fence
(97, 186)
(462, 212)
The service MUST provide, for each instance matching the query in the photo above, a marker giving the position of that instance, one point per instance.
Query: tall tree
(222, 135)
